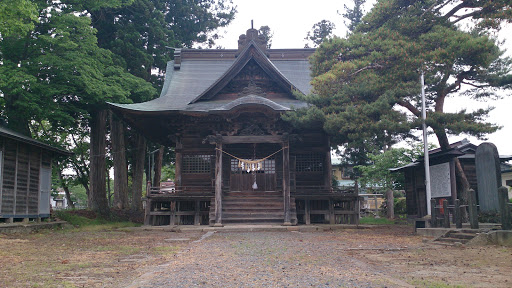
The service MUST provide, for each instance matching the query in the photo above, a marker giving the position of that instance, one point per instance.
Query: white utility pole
(425, 144)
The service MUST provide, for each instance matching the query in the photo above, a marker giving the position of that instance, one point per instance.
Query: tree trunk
(97, 195)
(138, 172)
(158, 166)
(109, 191)
(460, 175)
(390, 205)
(66, 190)
(120, 167)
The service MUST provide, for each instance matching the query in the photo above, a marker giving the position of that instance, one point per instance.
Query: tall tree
(353, 16)
(120, 164)
(97, 199)
(366, 87)
(17, 17)
(267, 32)
(56, 72)
(319, 33)
(141, 34)
(138, 172)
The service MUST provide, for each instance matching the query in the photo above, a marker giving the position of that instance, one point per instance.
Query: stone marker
(488, 176)
(506, 219)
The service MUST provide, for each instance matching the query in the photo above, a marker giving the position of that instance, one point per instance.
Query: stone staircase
(455, 237)
(253, 207)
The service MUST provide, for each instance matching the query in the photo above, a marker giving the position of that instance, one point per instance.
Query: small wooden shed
(25, 176)
(442, 173)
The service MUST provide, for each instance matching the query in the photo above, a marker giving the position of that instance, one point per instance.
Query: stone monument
(488, 176)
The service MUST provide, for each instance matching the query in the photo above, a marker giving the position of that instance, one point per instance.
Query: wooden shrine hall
(237, 161)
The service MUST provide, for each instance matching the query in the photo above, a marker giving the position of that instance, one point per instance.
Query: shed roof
(8, 133)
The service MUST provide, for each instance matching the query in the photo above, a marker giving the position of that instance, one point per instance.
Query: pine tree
(366, 87)
(319, 33)
(354, 15)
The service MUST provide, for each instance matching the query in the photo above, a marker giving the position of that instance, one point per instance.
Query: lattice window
(309, 162)
(268, 166)
(197, 163)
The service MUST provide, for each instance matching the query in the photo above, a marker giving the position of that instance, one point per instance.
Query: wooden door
(265, 178)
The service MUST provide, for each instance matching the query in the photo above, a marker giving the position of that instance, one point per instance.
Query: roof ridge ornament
(177, 58)
(252, 35)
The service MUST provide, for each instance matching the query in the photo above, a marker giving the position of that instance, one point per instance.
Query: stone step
(460, 235)
(249, 213)
(251, 209)
(252, 200)
(255, 203)
(252, 220)
(452, 240)
(255, 193)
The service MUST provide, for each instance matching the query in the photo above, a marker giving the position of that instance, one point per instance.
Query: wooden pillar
(218, 185)
(446, 214)
(197, 215)
(286, 183)
(376, 205)
(307, 211)
(453, 181)
(331, 212)
(178, 164)
(433, 213)
(357, 205)
(328, 165)
(457, 215)
(172, 218)
(147, 214)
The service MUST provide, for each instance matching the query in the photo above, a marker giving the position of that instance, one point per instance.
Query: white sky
(290, 20)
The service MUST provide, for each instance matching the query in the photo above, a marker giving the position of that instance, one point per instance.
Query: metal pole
(425, 144)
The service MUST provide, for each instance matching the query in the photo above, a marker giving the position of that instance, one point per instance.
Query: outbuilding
(25, 176)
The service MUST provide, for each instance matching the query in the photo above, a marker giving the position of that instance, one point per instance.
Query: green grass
(375, 221)
(92, 224)
(165, 250)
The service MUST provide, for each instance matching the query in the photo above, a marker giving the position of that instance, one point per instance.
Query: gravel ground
(384, 256)
(279, 259)
(381, 256)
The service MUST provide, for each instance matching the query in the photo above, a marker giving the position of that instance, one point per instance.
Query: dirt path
(381, 257)
(386, 256)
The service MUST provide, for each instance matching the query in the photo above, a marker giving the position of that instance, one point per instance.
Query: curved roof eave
(252, 100)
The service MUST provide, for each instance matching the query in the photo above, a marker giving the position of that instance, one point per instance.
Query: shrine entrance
(260, 176)
(265, 178)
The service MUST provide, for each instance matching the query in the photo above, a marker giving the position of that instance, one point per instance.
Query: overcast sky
(290, 20)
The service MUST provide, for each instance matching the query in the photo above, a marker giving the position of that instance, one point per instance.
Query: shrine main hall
(237, 160)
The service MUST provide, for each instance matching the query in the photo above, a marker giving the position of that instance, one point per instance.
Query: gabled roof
(463, 145)
(196, 75)
(462, 150)
(250, 52)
